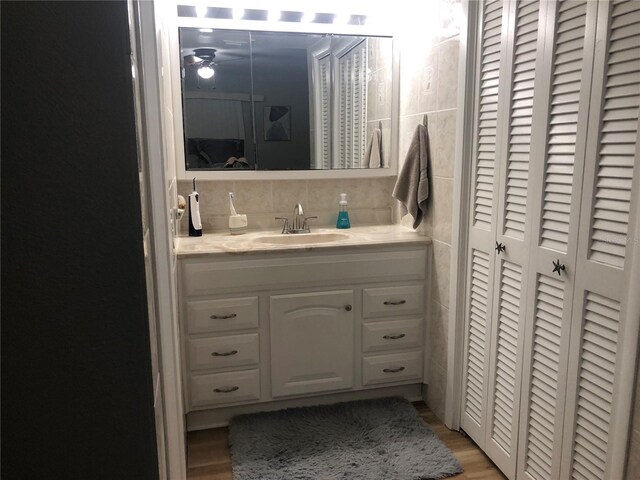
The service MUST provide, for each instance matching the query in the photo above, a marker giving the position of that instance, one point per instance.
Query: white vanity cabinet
(269, 330)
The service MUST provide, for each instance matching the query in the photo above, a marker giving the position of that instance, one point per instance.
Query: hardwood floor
(208, 452)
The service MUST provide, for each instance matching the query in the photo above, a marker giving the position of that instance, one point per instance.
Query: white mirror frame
(266, 26)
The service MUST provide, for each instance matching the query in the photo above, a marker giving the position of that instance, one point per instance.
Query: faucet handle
(285, 225)
(305, 226)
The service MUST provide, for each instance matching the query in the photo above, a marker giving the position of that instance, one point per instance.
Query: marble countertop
(258, 241)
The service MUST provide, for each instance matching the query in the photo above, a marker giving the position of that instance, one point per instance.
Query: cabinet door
(312, 342)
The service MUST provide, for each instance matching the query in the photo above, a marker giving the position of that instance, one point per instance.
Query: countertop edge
(367, 241)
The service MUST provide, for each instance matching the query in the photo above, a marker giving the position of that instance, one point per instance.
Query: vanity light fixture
(341, 15)
(201, 11)
(205, 30)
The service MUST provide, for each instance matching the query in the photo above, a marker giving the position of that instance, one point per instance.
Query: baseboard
(220, 417)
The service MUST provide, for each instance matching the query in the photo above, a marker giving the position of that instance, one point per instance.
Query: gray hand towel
(412, 186)
(373, 154)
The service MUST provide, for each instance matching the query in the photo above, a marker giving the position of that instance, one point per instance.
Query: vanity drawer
(397, 367)
(212, 316)
(388, 301)
(392, 335)
(223, 352)
(222, 388)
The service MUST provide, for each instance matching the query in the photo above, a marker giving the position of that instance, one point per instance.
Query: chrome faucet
(299, 223)
(298, 212)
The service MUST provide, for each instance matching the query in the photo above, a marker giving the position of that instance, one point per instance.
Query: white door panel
(595, 431)
(523, 52)
(555, 179)
(482, 229)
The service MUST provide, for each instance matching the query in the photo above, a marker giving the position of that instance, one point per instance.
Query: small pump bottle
(343, 214)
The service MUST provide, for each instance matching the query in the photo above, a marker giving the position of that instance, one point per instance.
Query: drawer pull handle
(224, 354)
(226, 390)
(399, 302)
(223, 317)
(393, 370)
(394, 337)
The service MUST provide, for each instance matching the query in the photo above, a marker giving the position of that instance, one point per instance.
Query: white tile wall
(429, 79)
(370, 201)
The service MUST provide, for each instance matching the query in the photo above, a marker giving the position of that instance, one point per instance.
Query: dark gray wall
(76, 376)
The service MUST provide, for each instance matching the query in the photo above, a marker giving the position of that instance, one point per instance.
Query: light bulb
(341, 18)
(201, 11)
(206, 72)
(308, 17)
(237, 13)
(273, 15)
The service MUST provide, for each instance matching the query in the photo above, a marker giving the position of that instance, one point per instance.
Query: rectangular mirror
(217, 98)
(274, 101)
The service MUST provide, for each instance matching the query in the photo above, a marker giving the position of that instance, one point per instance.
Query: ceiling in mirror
(285, 101)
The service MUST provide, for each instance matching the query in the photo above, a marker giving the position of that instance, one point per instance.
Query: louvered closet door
(351, 106)
(319, 62)
(483, 224)
(595, 432)
(524, 51)
(556, 169)
(323, 122)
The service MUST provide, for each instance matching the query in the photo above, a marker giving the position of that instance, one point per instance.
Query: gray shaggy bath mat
(381, 439)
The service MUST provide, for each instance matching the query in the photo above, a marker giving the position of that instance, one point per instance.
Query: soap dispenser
(343, 214)
(195, 224)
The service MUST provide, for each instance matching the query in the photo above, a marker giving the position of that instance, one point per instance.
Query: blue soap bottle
(343, 214)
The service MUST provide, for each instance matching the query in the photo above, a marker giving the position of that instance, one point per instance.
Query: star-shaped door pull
(558, 267)
(500, 248)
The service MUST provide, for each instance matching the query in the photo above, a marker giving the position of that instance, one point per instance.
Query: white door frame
(461, 208)
(162, 241)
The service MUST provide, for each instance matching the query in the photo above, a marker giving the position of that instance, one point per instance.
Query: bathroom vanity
(267, 318)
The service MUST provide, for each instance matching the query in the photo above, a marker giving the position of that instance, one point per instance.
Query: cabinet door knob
(393, 370)
(394, 337)
(224, 354)
(397, 302)
(223, 317)
(558, 267)
(226, 390)
(500, 247)
(348, 308)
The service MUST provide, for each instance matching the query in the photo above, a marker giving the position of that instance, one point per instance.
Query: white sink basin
(301, 238)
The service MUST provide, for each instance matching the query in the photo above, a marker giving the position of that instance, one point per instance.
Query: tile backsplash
(370, 201)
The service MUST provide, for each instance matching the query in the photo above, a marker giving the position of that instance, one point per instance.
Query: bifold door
(553, 194)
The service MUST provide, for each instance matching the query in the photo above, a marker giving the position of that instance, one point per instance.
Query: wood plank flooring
(208, 452)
